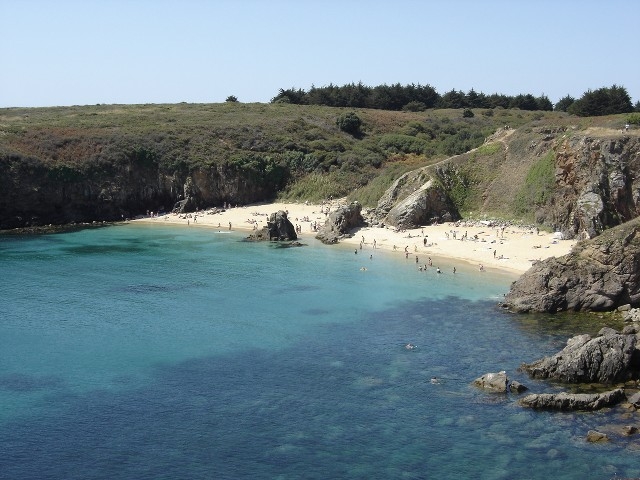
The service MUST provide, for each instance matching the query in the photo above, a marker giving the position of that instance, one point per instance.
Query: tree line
(603, 101)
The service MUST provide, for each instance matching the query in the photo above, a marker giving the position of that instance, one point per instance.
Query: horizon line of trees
(416, 98)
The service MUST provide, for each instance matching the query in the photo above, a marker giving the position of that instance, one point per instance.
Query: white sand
(515, 249)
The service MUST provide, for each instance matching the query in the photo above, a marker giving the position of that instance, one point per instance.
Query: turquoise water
(147, 352)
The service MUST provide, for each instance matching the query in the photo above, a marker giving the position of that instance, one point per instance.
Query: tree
(349, 123)
(564, 103)
(603, 101)
(231, 98)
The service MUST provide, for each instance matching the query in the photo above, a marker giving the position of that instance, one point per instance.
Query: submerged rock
(594, 436)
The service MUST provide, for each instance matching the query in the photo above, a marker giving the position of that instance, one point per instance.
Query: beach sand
(513, 249)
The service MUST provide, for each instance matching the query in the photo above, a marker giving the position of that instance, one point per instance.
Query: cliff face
(597, 183)
(33, 193)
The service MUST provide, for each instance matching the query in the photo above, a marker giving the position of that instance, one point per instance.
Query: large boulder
(600, 274)
(280, 227)
(610, 357)
(340, 222)
(428, 204)
(573, 401)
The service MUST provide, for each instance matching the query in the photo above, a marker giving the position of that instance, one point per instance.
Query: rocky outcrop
(608, 358)
(600, 274)
(429, 204)
(573, 401)
(597, 183)
(498, 383)
(278, 228)
(340, 222)
(416, 199)
(189, 203)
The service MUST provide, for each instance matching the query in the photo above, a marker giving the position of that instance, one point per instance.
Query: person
(454, 270)
(409, 346)
(229, 225)
(438, 270)
(435, 380)
(481, 268)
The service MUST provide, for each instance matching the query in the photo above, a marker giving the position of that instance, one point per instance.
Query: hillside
(105, 162)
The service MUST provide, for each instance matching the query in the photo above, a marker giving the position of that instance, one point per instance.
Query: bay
(138, 351)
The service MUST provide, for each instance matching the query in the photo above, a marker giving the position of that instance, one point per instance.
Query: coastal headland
(511, 249)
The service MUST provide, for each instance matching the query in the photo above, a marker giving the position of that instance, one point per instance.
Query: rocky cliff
(599, 274)
(592, 184)
(35, 193)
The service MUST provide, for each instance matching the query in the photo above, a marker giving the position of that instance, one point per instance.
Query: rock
(635, 399)
(573, 401)
(340, 222)
(517, 387)
(631, 315)
(278, 228)
(599, 274)
(493, 382)
(429, 204)
(629, 430)
(611, 357)
(596, 437)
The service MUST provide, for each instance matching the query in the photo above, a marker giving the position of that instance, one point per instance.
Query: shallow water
(162, 352)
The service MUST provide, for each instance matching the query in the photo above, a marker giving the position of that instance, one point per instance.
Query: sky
(85, 52)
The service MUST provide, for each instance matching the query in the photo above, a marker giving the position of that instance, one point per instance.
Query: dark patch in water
(18, 382)
(316, 311)
(146, 288)
(103, 249)
(296, 288)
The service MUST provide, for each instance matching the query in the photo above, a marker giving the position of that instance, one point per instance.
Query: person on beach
(229, 225)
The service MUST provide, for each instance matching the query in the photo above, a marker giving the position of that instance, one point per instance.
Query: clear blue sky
(63, 52)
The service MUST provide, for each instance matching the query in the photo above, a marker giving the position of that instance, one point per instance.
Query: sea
(140, 351)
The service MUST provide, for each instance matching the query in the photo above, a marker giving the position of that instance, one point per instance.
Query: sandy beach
(511, 249)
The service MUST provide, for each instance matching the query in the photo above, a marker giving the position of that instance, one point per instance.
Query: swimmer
(409, 346)
(363, 269)
(435, 380)
(438, 270)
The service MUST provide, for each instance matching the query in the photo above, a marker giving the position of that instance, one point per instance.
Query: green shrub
(349, 123)
(396, 143)
(634, 119)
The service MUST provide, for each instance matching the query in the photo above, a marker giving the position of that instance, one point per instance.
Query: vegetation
(412, 98)
(298, 152)
(603, 101)
(538, 186)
